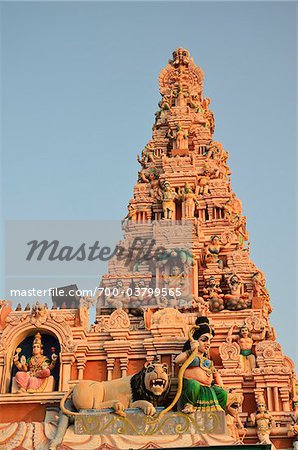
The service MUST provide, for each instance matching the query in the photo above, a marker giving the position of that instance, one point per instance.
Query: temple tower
(184, 180)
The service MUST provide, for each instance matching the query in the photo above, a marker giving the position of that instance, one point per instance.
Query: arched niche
(18, 330)
(49, 343)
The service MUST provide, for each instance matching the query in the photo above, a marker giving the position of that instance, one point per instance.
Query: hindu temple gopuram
(182, 353)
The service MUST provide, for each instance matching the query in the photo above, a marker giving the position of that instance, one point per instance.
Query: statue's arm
(182, 357)
(217, 378)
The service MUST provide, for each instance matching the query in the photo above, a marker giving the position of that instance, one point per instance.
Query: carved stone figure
(145, 390)
(181, 139)
(202, 387)
(260, 290)
(131, 215)
(264, 421)
(233, 420)
(203, 185)
(33, 374)
(208, 115)
(168, 201)
(246, 341)
(293, 431)
(212, 251)
(213, 295)
(190, 201)
(147, 155)
(178, 288)
(120, 300)
(236, 300)
(180, 57)
(155, 190)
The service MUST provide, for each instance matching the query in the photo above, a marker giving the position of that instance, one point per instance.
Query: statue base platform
(135, 423)
(173, 431)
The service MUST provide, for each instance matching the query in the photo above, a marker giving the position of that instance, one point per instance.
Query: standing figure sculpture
(34, 373)
(181, 139)
(202, 385)
(168, 201)
(246, 342)
(264, 421)
(190, 201)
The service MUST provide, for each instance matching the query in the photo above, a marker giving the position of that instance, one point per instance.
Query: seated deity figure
(33, 374)
(202, 385)
(236, 300)
(178, 287)
(213, 295)
(212, 251)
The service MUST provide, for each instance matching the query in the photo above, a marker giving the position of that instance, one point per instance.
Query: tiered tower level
(183, 203)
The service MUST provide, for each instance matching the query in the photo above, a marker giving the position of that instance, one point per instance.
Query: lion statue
(145, 390)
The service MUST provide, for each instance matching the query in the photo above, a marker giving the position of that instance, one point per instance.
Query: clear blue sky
(79, 92)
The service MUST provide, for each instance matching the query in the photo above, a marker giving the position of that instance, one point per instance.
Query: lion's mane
(139, 391)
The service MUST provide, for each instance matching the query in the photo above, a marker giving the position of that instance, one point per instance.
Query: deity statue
(181, 57)
(147, 154)
(178, 288)
(203, 185)
(264, 421)
(120, 300)
(236, 300)
(199, 391)
(234, 425)
(208, 115)
(240, 230)
(180, 99)
(141, 299)
(131, 215)
(212, 251)
(168, 201)
(33, 374)
(293, 431)
(155, 190)
(190, 201)
(213, 295)
(246, 341)
(181, 139)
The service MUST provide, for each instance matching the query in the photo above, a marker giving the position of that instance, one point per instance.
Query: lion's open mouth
(158, 382)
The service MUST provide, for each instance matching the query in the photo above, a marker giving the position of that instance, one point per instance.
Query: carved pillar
(67, 360)
(123, 366)
(285, 398)
(210, 212)
(270, 400)
(276, 399)
(81, 364)
(110, 367)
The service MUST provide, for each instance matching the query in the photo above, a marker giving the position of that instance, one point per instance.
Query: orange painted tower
(186, 217)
